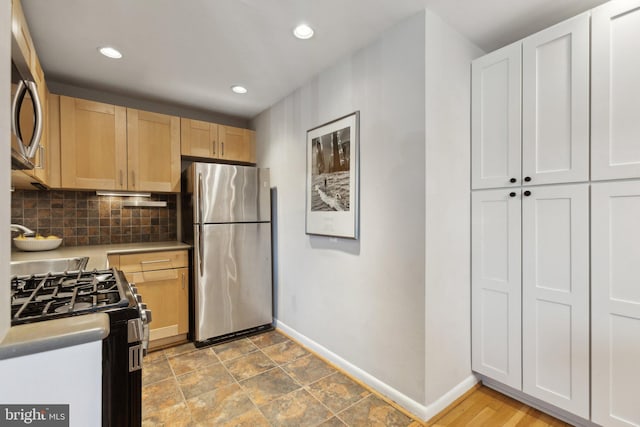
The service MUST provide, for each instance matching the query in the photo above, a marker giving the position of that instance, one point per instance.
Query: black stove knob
(134, 290)
(138, 297)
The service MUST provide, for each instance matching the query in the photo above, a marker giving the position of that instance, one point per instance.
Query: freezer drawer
(228, 193)
(232, 272)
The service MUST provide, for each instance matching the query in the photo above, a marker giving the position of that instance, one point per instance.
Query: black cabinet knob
(527, 178)
(512, 194)
(527, 193)
(512, 180)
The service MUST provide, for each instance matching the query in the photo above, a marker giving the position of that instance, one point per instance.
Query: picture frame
(333, 184)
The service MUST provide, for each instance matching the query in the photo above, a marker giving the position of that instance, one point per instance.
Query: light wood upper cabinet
(236, 144)
(93, 145)
(21, 37)
(198, 138)
(153, 146)
(615, 90)
(214, 141)
(107, 147)
(555, 103)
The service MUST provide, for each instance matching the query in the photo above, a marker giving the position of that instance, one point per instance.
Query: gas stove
(53, 295)
(41, 297)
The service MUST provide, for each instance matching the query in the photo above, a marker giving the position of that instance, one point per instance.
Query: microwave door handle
(15, 115)
(32, 148)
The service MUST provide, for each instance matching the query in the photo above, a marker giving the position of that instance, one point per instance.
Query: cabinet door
(555, 296)
(93, 138)
(555, 103)
(154, 151)
(615, 86)
(495, 118)
(615, 303)
(496, 285)
(235, 144)
(162, 291)
(198, 138)
(20, 33)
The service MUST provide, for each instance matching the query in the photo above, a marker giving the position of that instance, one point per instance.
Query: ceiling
(191, 52)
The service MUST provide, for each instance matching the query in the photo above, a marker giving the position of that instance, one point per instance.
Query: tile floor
(264, 380)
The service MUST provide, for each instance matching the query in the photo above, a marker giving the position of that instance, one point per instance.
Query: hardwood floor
(486, 407)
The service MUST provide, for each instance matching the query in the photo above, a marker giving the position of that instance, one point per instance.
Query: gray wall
(363, 300)
(447, 262)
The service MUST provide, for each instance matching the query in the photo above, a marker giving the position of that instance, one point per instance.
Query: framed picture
(332, 178)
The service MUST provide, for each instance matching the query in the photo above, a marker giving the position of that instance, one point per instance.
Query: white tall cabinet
(497, 290)
(530, 240)
(555, 296)
(615, 214)
(555, 104)
(615, 312)
(496, 122)
(615, 91)
(556, 236)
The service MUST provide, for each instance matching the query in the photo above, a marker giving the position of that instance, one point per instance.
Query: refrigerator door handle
(200, 254)
(200, 219)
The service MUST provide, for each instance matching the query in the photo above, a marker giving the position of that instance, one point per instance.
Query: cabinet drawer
(151, 261)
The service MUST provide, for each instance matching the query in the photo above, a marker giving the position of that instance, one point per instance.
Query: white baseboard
(419, 410)
(449, 397)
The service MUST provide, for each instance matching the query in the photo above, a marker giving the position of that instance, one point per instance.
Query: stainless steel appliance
(48, 296)
(26, 114)
(227, 219)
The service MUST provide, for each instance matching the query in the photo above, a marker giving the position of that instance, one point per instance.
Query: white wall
(363, 300)
(447, 261)
(5, 158)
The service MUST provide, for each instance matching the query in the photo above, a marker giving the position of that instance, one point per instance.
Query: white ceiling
(191, 52)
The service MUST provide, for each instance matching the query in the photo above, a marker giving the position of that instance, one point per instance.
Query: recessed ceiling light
(303, 31)
(110, 52)
(239, 89)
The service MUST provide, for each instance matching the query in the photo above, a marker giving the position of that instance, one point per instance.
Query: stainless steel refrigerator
(227, 219)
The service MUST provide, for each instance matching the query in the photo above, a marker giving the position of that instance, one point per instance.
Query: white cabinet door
(555, 296)
(615, 86)
(496, 285)
(615, 303)
(495, 118)
(555, 103)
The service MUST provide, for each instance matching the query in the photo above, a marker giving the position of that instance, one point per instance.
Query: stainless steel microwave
(26, 115)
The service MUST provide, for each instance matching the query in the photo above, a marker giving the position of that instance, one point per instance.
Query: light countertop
(97, 253)
(68, 331)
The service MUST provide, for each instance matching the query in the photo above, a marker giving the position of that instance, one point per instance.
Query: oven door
(122, 370)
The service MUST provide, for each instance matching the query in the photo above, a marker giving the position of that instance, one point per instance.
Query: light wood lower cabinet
(162, 278)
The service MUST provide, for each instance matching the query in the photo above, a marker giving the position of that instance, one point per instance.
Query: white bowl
(31, 244)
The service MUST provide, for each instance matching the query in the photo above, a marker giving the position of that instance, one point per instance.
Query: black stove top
(53, 295)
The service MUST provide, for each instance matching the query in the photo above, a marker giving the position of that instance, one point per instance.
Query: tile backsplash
(83, 218)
